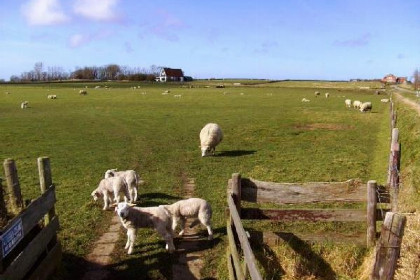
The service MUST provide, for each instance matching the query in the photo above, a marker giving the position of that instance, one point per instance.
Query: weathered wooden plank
(388, 247)
(45, 181)
(49, 264)
(310, 215)
(371, 213)
(291, 193)
(34, 212)
(236, 190)
(276, 238)
(243, 239)
(21, 265)
(230, 266)
(234, 254)
(13, 187)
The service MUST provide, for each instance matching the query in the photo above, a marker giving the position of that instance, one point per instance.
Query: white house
(170, 75)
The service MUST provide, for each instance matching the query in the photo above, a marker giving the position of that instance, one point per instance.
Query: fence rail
(29, 245)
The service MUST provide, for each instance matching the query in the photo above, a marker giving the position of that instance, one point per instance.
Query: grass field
(269, 134)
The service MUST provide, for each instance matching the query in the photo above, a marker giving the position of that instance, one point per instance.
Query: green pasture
(269, 135)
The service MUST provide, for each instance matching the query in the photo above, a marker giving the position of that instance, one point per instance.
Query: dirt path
(189, 249)
(101, 255)
(413, 104)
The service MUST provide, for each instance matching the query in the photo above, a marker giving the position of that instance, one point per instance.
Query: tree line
(41, 73)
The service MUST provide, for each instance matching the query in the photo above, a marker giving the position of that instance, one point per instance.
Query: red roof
(173, 72)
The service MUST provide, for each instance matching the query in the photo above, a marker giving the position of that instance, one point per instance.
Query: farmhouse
(392, 79)
(170, 75)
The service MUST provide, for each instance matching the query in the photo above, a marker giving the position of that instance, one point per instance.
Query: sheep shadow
(235, 153)
(155, 199)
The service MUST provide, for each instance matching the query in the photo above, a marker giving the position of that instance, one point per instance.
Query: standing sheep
(366, 106)
(210, 136)
(317, 93)
(348, 103)
(82, 92)
(131, 178)
(24, 105)
(133, 218)
(108, 187)
(356, 104)
(191, 208)
(327, 95)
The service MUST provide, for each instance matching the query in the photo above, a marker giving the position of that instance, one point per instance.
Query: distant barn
(170, 75)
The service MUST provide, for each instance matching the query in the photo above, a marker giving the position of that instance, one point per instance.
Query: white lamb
(210, 136)
(366, 106)
(191, 208)
(356, 104)
(305, 100)
(327, 95)
(131, 178)
(133, 218)
(24, 105)
(348, 103)
(109, 187)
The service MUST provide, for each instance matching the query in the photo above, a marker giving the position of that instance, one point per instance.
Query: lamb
(52, 96)
(133, 218)
(327, 95)
(131, 178)
(109, 186)
(24, 105)
(210, 136)
(348, 103)
(356, 104)
(191, 208)
(305, 100)
(82, 92)
(366, 106)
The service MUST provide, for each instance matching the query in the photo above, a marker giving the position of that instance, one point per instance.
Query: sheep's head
(110, 173)
(96, 195)
(122, 209)
(205, 151)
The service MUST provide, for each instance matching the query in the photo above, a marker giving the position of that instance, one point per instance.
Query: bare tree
(416, 80)
(38, 70)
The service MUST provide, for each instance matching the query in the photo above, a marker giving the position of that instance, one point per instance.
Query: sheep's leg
(205, 220)
(166, 234)
(135, 194)
(131, 237)
(106, 201)
(175, 221)
(182, 225)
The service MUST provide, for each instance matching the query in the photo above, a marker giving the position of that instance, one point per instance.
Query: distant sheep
(52, 96)
(305, 100)
(177, 95)
(317, 93)
(131, 178)
(327, 95)
(133, 218)
(210, 136)
(366, 106)
(191, 208)
(24, 105)
(82, 92)
(108, 187)
(356, 104)
(348, 103)
(385, 100)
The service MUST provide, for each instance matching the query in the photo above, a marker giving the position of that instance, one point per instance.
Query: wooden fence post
(388, 247)
(3, 209)
(371, 213)
(394, 169)
(236, 191)
(13, 186)
(45, 182)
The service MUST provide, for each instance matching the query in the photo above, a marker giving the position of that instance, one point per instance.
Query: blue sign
(11, 237)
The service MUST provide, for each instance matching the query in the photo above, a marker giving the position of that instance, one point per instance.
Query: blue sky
(300, 39)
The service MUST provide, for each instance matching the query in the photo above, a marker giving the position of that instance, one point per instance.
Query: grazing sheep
(109, 186)
(366, 106)
(24, 105)
(52, 96)
(82, 92)
(133, 218)
(305, 100)
(385, 100)
(356, 104)
(191, 208)
(131, 178)
(210, 136)
(317, 93)
(327, 95)
(348, 103)
(177, 95)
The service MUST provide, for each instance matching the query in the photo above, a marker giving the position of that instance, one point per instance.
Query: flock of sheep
(163, 218)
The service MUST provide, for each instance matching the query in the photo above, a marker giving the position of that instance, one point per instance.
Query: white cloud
(76, 40)
(100, 10)
(43, 12)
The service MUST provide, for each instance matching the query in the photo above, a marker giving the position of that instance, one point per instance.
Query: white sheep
(177, 95)
(133, 218)
(52, 96)
(210, 136)
(317, 93)
(24, 105)
(327, 95)
(82, 92)
(191, 208)
(305, 100)
(356, 104)
(348, 103)
(385, 100)
(108, 187)
(366, 106)
(132, 179)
